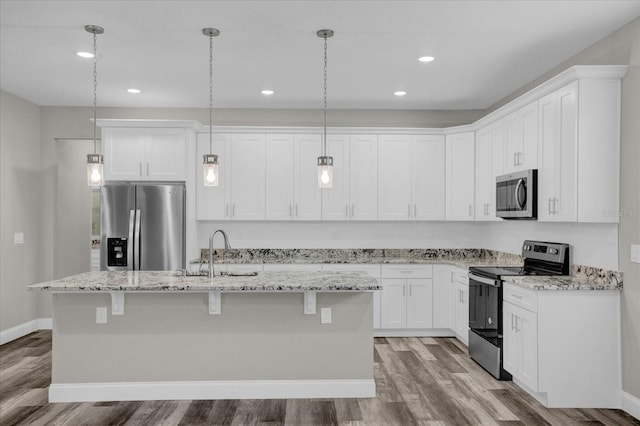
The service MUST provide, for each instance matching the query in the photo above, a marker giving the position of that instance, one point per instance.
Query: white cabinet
(579, 152)
(139, 154)
(443, 293)
(354, 195)
(460, 176)
(520, 357)
(373, 271)
(521, 139)
(564, 360)
(461, 305)
(241, 192)
(557, 173)
(489, 165)
(411, 177)
(292, 191)
(407, 296)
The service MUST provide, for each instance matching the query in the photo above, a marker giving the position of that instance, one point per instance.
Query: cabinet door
(363, 177)
(279, 177)
(460, 176)
(213, 202)
(462, 312)
(393, 312)
(511, 342)
(428, 177)
(123, 153)
(335, 201)
(558, 127)
(527, 328)
(484, 184)
(521, 139)
(248, 177)
(394, 177)
(165, 154)
(420, 303)
(307, 194)
(442, 296)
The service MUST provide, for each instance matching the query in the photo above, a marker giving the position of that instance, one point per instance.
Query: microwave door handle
(517, 193)
(132, 221)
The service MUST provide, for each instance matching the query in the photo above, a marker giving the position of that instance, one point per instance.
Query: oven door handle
(483, 280)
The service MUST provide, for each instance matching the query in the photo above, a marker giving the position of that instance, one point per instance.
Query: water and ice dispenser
(117, 251)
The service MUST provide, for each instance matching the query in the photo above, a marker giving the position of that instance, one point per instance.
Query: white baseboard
(23, 329)
(631, 404)
(228, 389)
(436, 332)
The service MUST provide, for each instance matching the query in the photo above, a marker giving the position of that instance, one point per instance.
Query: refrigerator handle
(136, 243)
(130, 240)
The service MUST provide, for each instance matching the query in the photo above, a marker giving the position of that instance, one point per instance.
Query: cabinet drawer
(407, 271)
(460, 276)
(371, 270)
(527, 299)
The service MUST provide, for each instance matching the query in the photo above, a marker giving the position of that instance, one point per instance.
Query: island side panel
(171, 337)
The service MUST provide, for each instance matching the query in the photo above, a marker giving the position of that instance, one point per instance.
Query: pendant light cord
(210, 93)
(324, 146)
(95, 89)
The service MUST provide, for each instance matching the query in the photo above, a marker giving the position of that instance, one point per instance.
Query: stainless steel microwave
(516, 195)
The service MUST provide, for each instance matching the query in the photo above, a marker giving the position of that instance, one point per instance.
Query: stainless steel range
(485, 299)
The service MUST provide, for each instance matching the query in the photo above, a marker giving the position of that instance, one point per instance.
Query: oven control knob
(490, 321)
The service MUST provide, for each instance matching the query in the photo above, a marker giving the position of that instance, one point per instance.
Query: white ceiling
(484, 50)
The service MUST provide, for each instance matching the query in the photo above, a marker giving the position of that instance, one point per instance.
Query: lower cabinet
(406, 300)
(563, 347)
(461, 305)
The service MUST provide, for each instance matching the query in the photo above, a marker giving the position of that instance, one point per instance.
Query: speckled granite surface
(168, 281)
(458, 257)
(562, 283)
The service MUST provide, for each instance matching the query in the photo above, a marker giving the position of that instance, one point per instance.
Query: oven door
(485, 299)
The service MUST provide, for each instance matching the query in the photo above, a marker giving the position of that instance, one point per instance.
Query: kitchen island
(150, 335)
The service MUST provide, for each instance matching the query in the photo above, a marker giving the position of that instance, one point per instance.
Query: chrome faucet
(227, 246)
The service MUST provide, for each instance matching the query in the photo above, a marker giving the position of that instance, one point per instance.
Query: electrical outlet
(635, 253)
(18, 238)
(325, 315)
(101, 315)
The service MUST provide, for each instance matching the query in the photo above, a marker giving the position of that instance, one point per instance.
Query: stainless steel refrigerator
(142, 227)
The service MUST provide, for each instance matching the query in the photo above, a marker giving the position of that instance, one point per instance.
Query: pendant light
(325, 163)
(210, 161)
(95, 168)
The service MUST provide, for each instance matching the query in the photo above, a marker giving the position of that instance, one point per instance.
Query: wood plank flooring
(420, 381)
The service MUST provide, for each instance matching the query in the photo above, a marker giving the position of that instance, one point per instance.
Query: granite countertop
(168, 281)
(562, 283)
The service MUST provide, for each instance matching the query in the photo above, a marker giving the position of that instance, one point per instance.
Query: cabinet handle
(515, 162)
(297, 215)
(415, 210)
(147, 169)
(408, 210)
(140, 168)
(403, 289)
(549, 206)
(409, 290)
(451, 276)
(233, 210)
(346, 210)
(353, 210)
(470, 210)
(517, 328)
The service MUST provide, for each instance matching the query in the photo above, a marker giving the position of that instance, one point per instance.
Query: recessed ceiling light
(85, 54)
(426, 58)
(267, 92)
(399, 93)
(133, 90)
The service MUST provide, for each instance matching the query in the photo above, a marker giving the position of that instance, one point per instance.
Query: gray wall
(621, 47)
(20, 209)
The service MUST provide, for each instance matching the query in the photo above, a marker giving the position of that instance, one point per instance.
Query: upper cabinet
(580, 152)
(139, 154)
(489, 165)
(521, 139)
(292, 191)
(460, 176)
(411, 177)
(240, 194)
(354, 195)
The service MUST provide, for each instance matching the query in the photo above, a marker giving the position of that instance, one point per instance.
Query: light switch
(18, 238)
(101, 315)
(635, 253)
(325, 315)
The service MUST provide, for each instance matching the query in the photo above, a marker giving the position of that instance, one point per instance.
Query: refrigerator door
(160, 245)
(117, 216)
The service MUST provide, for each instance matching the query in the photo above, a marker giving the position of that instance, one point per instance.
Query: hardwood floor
(420, 381)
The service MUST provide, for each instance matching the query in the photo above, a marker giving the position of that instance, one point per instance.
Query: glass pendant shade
(95, 170)
(325, 172)
(210, 170)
